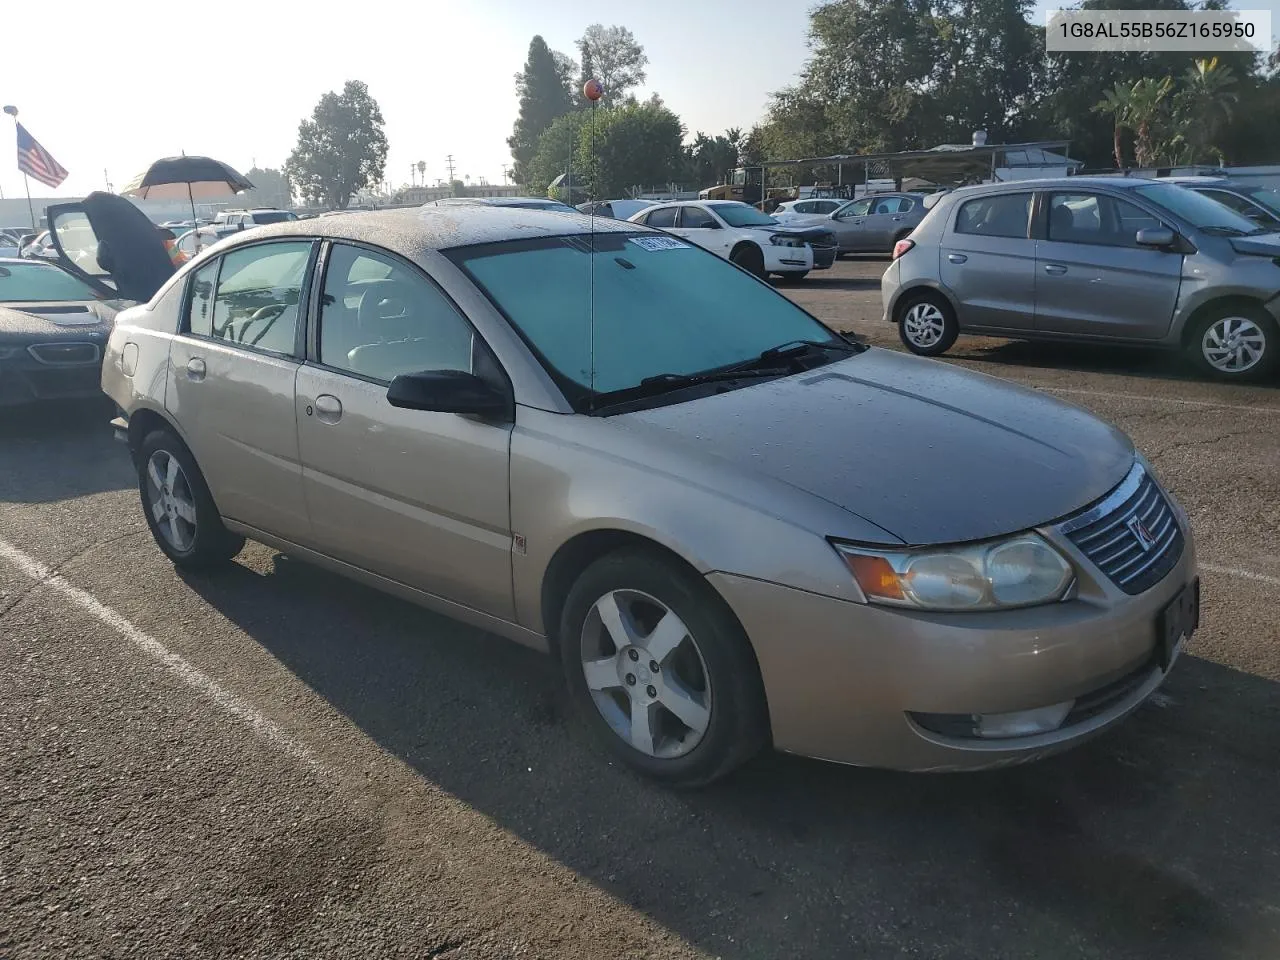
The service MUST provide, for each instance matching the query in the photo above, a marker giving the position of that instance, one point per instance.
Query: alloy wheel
(645, 674)
(1233, 344)
(169, 497)
(923, 324)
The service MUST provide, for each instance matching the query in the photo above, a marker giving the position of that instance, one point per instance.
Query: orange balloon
(592, 89)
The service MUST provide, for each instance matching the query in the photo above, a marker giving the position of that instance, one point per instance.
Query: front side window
(855, 208)
(1096, 219)
(649, 305)
(1000, 215)
(259, 289)
(696, 218)
(666, 217)
(380, 318)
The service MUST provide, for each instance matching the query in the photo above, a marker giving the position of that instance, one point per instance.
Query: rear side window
(200, 318)
(665, 217)
(259, 289)
(1001, 215)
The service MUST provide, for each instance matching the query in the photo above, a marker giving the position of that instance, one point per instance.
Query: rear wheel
(927, 325)
(178, 506)
(750, 259)
(1235, 342)
(660, 669)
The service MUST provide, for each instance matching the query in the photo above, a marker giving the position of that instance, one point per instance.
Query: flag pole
(35, 227)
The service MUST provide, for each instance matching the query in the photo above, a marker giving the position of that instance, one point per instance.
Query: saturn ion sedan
(734, 528)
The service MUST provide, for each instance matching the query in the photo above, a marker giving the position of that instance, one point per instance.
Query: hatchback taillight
(901, 247)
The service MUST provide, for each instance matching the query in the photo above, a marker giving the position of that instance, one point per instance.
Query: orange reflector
(874, 576)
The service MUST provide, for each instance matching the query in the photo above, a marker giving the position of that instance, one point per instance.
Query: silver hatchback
(1091, 259)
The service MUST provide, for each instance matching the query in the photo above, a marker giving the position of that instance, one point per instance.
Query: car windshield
(552, 205)
(1197, 209)
(1268, 197)
(30, 282)
(662, 307)
(742, 215)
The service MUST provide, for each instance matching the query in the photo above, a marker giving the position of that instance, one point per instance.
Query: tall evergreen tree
(544, 88)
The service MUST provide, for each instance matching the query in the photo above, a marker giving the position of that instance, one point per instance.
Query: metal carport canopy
(938, 164)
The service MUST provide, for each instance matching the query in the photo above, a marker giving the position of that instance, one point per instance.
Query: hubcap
(646, 674)
(1233, 344)
(173, 508)
(923, 324)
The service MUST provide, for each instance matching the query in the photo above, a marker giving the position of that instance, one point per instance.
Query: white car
(793, 209)
(743, 235)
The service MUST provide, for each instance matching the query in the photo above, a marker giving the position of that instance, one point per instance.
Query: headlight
(1019, 571)
(783, 240)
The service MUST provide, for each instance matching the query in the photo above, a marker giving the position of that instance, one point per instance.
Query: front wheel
(178, 506)
(660, 669)
(750, 259)
(927, 325)
(1235, 343)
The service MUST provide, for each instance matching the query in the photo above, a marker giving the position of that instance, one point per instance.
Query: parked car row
(641, 482)
(1093, 259)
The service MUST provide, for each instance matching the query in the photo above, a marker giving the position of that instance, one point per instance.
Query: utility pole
(448, 162)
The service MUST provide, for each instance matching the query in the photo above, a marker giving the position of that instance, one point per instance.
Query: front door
(1092, 278)
(847, 224)
(420, 497)
(231, 382)
(698, 226)
(884, 221)
(988, 260)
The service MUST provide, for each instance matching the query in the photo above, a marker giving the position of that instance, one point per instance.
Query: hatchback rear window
(1002, 215)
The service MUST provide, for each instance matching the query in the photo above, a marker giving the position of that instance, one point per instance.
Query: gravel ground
(273, 762)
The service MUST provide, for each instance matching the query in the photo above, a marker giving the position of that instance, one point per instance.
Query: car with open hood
(734, 528)
(744, 236)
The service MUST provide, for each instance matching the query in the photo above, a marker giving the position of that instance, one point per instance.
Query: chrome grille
(1131, 535)
(64, 354)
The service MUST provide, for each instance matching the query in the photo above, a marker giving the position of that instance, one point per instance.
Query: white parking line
(1159, 399)
(175, 664)
(1242, 574)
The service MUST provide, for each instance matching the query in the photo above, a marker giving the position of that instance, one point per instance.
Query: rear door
(1092, 278)
(232, 373)
(987, 260)
(111, 245)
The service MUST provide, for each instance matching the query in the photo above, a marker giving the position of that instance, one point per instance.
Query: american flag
(34, 160)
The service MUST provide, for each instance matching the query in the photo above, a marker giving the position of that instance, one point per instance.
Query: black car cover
(129, 246)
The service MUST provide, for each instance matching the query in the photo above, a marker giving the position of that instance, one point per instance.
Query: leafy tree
(1203, 106)
(545, 92)
(615, 58)
(341, 148)
(710, 159)
(554, 154)
(271, 188)
(1147, 109)
(638, 144)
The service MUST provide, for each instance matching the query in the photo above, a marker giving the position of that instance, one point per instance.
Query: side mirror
(449, 391)
(1159, 237)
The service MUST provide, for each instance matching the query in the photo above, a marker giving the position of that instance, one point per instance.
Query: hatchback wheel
(927, 325)
(661, 670)
(177, 504)
(1235, 343)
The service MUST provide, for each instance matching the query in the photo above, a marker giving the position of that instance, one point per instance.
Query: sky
(108, 87)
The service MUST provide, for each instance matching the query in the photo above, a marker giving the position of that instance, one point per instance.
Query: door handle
(1055, 269)
(897, 218)
(957, 257)
(196, 369)
(328, 408)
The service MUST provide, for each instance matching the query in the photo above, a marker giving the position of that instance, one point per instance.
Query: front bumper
(28, 375)
(787, 259)
(852, 682)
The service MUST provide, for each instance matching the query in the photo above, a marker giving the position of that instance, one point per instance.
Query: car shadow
(59, 451)
(1090, 358)
(1158, 839)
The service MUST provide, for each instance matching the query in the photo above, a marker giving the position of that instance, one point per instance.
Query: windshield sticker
(659, 243)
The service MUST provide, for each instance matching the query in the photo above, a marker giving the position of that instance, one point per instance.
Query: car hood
(1263, 245)
(58, 318)
(927, 451)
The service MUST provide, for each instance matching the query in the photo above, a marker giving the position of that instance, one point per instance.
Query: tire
(706, 668)
(1248, 327)
(750, 259)
(795, 277)
(926, 324)
(178, 506)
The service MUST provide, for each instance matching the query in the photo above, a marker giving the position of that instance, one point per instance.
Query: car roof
(1054, 183)
(1193, 181)
(415, 231)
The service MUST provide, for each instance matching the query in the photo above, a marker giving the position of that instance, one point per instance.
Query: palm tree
(1204, 103)
(1146, 107)
(1117, 103)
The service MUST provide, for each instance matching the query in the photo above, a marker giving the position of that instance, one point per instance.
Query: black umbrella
(174, 178)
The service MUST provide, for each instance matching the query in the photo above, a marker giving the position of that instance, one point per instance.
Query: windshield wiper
(800, 348)
(1225, 231)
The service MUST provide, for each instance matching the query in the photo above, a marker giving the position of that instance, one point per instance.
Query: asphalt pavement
(273, 762)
